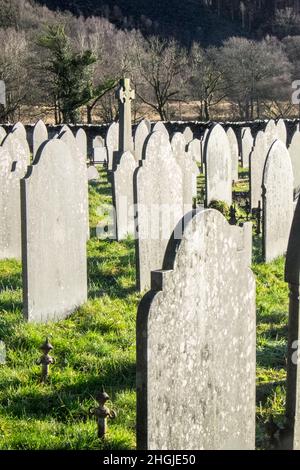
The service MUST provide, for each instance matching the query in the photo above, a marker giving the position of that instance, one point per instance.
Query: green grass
(96, 346)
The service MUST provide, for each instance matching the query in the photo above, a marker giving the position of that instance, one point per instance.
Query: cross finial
(125, 92)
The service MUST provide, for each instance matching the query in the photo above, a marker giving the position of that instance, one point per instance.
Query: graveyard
(149, 227)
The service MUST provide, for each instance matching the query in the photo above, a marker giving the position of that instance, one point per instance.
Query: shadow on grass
(70, 399)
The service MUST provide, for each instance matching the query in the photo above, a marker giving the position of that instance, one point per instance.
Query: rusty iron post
(45, 360)
(102, 413)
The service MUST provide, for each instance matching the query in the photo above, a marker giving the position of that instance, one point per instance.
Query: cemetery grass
(96, 346)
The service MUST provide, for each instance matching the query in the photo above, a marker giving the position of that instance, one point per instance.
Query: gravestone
(112, 144)
(203, 141)
(159, 201)
(123, 196)
(247, 145)
(217, 158)
(140, 136)
(81, 142)
(148, 124)
(281, 131)
(20, 130)
(188, 135)
(53, 236)
(189, 170)
(125, 95)
(160, 127)
(2, 134)
(67, 136)
(93, 174)
(10, 206)
(40, 136)
(194, 149)
(100, 151)
(17, 149)
(196, 344)
(271, 132)
(257, 163)
(294, 151)
(234, 150)
(292, 277)
(277, 201)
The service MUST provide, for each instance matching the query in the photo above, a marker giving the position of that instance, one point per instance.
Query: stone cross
(125, 95)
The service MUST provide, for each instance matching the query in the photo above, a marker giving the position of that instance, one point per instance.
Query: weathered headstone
(160, 127)
(247, 145)
(294, 151)
(140, 136)
(40, 136)
(159, 202)
(271, 132)
(17, 149)
(217, 158)
(292, 276)
(189, 170)
(93, 174)
(100, 151)
(112, 144)
(281, 131)
(20, 130)
(123, 196)
(125, 95)
(196, 344)
(53, 236)
(11, 171)
(257, 163)
(203, 141)
(188, 135)
(194, 149)
(67, 136)
(81, 142)
(277, 201)
(234, 150)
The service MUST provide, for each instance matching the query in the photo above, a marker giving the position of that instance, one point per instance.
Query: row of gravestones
(44, 218)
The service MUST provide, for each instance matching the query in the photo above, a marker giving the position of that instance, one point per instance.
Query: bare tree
(159, 72)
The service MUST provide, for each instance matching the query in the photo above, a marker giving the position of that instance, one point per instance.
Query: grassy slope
(97, 346)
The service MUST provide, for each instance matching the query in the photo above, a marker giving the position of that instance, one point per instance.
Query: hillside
(189, 20)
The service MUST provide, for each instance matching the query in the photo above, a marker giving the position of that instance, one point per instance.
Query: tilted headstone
(234, 150)
(281, 131)
(40, 136)
(10, 205)
(2, 134)
(123, 195)
(159, 199)
(247, 145)
(188, 135)
(140, 136)
(294, 151)
(100, 151)
(217, 158)
(196, 344)
(112, 143)
(292, 276)
(53, 236)
(81, 142)
(160, 127)
(189, 170)
(277, 201)
(257, 163)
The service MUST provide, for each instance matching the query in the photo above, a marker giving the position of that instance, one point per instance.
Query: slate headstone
(277, 201)
(217, 158)
(196, 344)
(53, 236)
